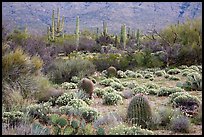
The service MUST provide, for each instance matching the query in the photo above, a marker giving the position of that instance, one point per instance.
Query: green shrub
(175, 78)
(122, 129)
(63, 70)
(148, 76)
(75, 79)
(139, 89)
(174, 71)
(13, 117)
(152, 91)
(65, 99)
(165, 114)
(121, 74)
(106, 82)
(99, 92)
(130, 73)
(138, 75)
(151, 85)
(17, 64)
(193, 82)
(130, 84)
(112, 98)
(116, 86)
(160, 73)
(67, 85)
(167, 91)
(174, 95)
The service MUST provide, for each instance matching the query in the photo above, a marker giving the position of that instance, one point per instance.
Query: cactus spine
(123, 36)
(139, 111)
(77, 32)
(105, 30)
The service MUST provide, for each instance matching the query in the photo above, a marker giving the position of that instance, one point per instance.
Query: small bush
(65, 99)
(122, 129)
(174, 78)
(116, 86)
(167, 91)
(130, 73)
(160, 73)
(174, 71)
(63, 70)
(180, 124)
(139, 89)
(121, 74)
(99, 92)
(106, 82)
(148, 76)
(112, 98)
(193, 82)
(165, 115)
(67, 85)
(138, 75)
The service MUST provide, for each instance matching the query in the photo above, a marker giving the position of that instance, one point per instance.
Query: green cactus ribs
(139, 111)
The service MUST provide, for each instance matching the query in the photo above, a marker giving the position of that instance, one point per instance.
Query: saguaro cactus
(77, 32)
(138, 37)
(123, 36)
(105, 29)
(139, 111)
(56, 29)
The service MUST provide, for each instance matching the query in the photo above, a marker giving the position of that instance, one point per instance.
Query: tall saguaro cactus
(139, 111)
(77, 32)
(56, 28)
(138, 37)
(105, 29)
(123, 36)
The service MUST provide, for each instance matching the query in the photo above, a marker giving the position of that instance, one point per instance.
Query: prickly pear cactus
(139, 111)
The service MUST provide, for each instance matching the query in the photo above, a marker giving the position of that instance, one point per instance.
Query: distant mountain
(142, 15)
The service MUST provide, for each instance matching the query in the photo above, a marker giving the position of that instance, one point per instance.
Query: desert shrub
(160, 73)
(130, 84)
(67, 85)
(89, 114)
(121, 74)
(138, 75)
(65, 99)
(175, 78)
(193, 82)
(17, 64)
(151, 85)
(180, 124)
(75, 79)
(197, 119)
(106, 82)
(13, 117)
(148, 76)
(63, 70)
(39, 111)
(166, 76)
(112, 98)
(174, 71)
(183, 67)
(109, 90)
(167, 91)
(130, 73)
(165, 114)
(174, 95)
(152, 91)
(194, 67)
(116, 86)
(139, 89)
(122, 129)
(99, 92)
(185, 100)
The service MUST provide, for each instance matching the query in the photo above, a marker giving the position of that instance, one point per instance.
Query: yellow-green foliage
(17, 63)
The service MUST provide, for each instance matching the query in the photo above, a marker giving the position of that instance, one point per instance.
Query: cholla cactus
(139, 111)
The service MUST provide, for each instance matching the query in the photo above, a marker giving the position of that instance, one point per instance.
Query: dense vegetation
(42, 77)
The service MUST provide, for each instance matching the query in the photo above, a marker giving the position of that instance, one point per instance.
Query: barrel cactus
(88, 86)
(139, 111)
(111, 71)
